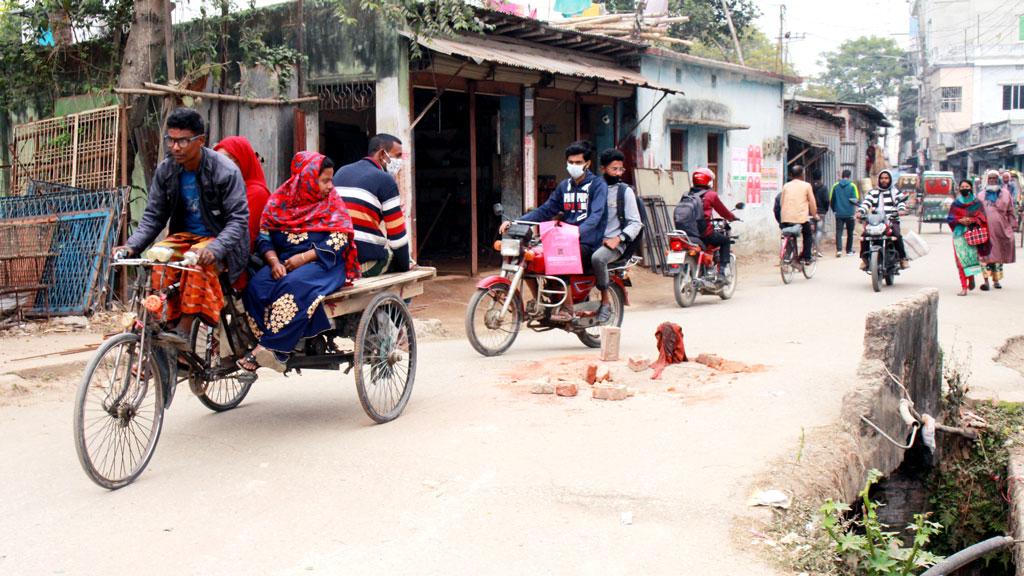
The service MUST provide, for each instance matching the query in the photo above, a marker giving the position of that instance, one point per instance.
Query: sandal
(248, 363)
(962, 292)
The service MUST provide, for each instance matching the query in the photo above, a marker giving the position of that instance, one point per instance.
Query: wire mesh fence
(54, 248)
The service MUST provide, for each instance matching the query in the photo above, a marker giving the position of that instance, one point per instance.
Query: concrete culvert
(1011, 354)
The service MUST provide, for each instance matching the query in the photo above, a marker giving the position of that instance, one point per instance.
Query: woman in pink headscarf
(1001, 225)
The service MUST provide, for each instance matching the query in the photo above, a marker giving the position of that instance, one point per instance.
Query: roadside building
(730, 119)
(968, 56)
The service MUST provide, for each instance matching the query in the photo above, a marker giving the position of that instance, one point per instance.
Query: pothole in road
(1011, 354)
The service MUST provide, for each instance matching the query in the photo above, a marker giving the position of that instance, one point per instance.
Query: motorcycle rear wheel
(684, 285)
(591, 337)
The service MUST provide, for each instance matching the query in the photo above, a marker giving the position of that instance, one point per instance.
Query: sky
(825, 24)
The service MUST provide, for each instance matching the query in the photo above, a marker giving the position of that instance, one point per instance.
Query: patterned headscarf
(297, 205)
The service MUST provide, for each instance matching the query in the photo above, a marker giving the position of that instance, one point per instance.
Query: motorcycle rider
(892, 202)
(582, 199)
(703, 179)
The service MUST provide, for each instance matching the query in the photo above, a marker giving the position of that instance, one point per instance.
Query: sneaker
(851, 253)
(604, 314)
(997, 285)
(838, 254)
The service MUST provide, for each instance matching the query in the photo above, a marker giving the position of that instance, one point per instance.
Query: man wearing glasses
(623, 227)
(199, 195)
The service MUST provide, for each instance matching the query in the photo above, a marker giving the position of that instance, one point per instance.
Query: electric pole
(778, 53)
(732, 30)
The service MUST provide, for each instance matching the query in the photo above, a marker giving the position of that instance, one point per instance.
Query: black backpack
(689, 216)
(630, 247)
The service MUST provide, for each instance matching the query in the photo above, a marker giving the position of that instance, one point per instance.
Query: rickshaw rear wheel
(385, 357)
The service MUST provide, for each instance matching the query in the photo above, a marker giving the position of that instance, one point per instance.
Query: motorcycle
(882, 260)
(695, 267)
(498, 309)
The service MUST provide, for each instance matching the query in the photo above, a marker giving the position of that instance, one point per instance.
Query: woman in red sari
(306, 240)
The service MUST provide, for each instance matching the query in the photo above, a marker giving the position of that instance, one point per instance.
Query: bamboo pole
(225, 97)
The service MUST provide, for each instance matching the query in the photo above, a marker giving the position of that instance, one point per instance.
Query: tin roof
(522, 54)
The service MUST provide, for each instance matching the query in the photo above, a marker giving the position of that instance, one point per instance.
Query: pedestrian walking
(821, 199)
(843, 199)
(967, 220)
(1001, 226)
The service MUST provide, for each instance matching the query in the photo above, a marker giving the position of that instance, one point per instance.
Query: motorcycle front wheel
(730, 288)
(488, 331)
(876, 274)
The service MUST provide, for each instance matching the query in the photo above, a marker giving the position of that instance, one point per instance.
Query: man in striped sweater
(889, 200)
(370, 192)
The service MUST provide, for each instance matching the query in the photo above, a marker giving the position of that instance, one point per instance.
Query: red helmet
(702, 177)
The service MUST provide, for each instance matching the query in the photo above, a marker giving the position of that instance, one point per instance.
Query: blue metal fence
(75, 272)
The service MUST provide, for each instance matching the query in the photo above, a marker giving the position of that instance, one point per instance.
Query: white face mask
(394, 165)
(574, 170)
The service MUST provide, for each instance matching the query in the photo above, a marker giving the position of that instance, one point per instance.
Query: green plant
(436, 18)
(865, 544)
(969, 492)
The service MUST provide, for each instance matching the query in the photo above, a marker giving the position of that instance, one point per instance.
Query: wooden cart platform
(355, 298)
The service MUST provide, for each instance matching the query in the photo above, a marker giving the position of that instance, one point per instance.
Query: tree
(866, 69)
(707, 24)
(434, 18)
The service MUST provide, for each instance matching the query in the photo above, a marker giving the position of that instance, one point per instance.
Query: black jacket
(222, 202)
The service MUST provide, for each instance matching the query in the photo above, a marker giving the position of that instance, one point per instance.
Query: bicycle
(789, 258)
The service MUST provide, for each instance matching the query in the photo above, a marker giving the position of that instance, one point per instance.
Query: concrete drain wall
(903, 339)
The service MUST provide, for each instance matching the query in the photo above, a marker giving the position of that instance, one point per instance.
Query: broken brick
(639, 363)
(711, 361)
(591, 373)
(610, 392)
(604, 374)
(542, 386)
(566, 389)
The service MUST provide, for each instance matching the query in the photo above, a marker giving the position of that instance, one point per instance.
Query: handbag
(976, 235)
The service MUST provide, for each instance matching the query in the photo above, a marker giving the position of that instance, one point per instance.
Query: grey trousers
(600, 261)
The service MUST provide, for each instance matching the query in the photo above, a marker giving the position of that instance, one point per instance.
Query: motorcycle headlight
(511, 247)
(875, 229)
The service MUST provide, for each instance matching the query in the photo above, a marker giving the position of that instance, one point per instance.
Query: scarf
(297, 206)
(248, 162)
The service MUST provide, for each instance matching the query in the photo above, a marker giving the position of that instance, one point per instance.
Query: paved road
(478, 476)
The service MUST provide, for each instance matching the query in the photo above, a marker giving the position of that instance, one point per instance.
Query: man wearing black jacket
(199, 195)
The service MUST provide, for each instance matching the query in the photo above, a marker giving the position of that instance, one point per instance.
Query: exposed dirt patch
(1011, 354)
(691, 381)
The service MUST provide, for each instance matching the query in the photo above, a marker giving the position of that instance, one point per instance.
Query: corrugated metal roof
(520, 54)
